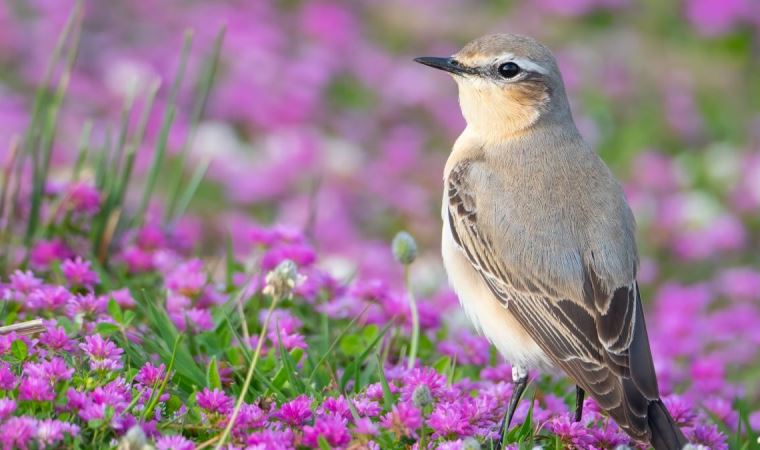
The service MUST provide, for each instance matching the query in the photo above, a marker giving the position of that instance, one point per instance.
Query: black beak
(450, 65)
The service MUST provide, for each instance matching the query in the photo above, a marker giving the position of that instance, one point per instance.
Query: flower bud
(282, 279)
(421, 396)
(404, 248)
(135, 439)
(470, 444)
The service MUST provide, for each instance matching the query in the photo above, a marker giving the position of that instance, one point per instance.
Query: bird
(538, 239)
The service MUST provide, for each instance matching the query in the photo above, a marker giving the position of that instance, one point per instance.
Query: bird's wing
(600, 341)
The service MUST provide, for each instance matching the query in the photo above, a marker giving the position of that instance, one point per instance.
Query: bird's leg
(579, 394)
(520, 380)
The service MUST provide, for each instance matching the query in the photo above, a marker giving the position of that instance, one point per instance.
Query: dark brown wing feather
(600, 341)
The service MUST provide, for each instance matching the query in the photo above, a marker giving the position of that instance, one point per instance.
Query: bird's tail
(665, 432)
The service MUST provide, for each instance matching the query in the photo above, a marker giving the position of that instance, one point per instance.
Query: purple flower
(21, 285)
(103, 354)
(367, 407)
(708, 435)
(45, 252)
(296, 411)
(215, 402)
(714, 17)
(51, 431)
(571, 432)
(452, 419)
(137, 259)
(271, 440)
(337, 406)
(18, 432)
(123, 298)
(36, 389)
(425, 376)
(83, 198)
(187, 279)
(7, 407)
(754, 421)
(55, 339)
(403, 420)
(86, 306)
(174, 443)
(365, 425)
(53, 370)
(48, 298)
(332, 428)
(7, 378)
(149, 374)
(79, 273)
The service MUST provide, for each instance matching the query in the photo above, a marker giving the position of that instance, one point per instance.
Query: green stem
(415, 320)
(248, 377)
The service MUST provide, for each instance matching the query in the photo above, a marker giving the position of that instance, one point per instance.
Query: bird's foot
(520, 380)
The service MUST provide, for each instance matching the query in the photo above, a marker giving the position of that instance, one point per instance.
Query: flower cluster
(318, 122)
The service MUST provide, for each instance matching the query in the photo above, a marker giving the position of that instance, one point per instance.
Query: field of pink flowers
(198, 200)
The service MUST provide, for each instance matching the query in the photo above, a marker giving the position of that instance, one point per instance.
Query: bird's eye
(509, 70)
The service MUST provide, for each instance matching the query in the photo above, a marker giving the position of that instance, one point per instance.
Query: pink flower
(332, 428)
(79, 273)
(137, 259)
(187, 279)
(21, 285)
(452, 419)
(708, 435)
(18, 432)
(54, 370)
(296, 411)
(425, 376)
(123, 298)
(86, 306)
(7, 407)
(103, 354)
(714, 17)
(45, 252)
(570, 432)
(56, 339)
(83, 198)
(149, 374)
(7, 378)
(174, 443)
(48, 298)
(36, 389)
(215, 401)
(51, 431)
(403, 420)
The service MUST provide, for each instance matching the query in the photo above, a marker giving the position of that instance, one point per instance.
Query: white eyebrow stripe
(530, 65)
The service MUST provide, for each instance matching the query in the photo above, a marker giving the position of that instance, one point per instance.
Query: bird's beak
(450, 65)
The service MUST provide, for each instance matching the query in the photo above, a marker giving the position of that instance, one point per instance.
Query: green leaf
(388, 399)
(323, 444)
(19, 349)
(106, 328)
(352, 371)
(352, 345)
(115, 311)
(213, 379)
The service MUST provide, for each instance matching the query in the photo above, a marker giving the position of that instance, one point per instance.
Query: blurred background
(319, 120)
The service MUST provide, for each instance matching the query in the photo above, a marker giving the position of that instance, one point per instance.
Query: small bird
(538, 239)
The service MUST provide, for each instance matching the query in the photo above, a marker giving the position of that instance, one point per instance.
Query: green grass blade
(204, 89)
(158, 155)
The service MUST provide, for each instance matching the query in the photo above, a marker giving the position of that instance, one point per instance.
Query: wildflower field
(198, 205)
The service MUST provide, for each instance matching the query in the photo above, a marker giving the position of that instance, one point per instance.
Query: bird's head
(507, 83)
